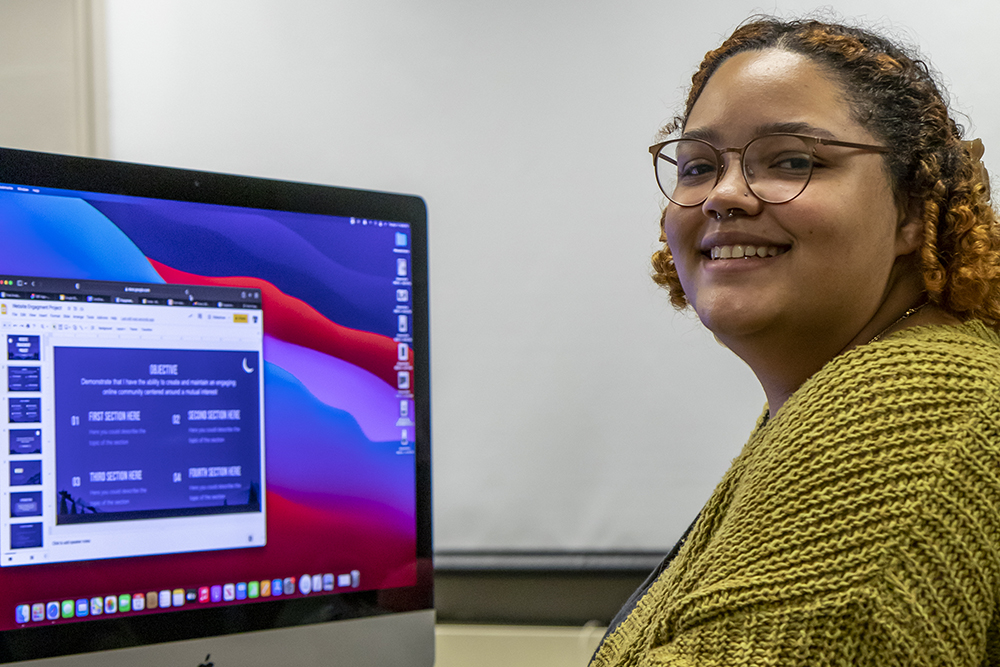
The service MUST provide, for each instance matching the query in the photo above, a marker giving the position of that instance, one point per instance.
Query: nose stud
(729, 214)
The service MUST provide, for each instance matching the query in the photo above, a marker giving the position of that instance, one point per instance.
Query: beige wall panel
(47, 76)
(504, 646)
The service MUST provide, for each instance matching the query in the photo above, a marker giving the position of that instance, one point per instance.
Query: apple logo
(207, 663)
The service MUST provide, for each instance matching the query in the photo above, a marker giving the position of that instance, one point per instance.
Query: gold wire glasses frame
(777, 167)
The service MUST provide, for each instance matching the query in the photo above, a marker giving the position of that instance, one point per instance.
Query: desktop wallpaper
(339, 495)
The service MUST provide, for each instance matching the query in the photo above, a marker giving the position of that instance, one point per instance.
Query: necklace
(902, 317)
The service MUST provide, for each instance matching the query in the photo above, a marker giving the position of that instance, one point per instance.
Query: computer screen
(215, 409)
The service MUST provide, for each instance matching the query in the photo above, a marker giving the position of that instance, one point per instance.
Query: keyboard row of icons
(180, 597)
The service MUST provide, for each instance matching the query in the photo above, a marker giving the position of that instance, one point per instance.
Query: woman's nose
(732, 194)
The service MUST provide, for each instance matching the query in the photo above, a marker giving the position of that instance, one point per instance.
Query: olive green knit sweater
(861, 526)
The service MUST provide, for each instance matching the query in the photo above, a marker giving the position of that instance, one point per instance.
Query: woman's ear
(910, 229)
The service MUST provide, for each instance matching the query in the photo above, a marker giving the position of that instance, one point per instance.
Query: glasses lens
(777, 167)
(687, 170)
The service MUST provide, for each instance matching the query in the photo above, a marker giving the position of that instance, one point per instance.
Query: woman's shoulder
(916, 370)
(867, 455)
(971, 339)
(913, 406)
(952, 360)
(963, 348)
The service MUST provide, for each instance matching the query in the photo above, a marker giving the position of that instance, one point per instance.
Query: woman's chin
(733, 320)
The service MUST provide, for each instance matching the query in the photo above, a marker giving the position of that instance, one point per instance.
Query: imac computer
(214, 399)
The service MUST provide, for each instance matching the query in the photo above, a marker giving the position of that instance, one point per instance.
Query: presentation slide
(25, 473)
(148, 433)
(25, 410)
(23, 348)
(26, 535)
(24, 378)
(25, 441)
(26, 504)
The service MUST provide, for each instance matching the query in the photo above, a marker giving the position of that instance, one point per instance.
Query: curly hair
(894, 95)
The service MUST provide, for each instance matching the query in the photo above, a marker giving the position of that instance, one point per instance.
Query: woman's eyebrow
(792, 127)
(702, 133)
(799, 127)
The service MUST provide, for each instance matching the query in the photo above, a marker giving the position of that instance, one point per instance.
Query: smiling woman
(833, 277)
(828, 224)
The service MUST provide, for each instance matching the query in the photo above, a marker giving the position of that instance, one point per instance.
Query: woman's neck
(782, 359)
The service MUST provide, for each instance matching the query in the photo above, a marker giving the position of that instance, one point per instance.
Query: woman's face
(829, 252)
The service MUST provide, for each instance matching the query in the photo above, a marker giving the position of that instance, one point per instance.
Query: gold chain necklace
(902, 317)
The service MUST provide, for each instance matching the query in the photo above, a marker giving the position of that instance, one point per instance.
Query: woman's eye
(695, 169)
(792, 163)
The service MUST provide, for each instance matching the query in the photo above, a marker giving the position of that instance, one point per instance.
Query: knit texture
(860, 526)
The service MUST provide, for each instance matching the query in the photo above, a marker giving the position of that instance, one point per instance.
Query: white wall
(572, 407)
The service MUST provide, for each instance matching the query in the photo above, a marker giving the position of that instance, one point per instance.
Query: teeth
(741, 251)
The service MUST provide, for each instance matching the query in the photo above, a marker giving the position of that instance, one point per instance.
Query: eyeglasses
(777, 167)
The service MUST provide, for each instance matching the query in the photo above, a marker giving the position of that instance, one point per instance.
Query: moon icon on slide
(246, 366)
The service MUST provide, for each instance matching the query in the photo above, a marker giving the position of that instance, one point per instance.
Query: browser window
(136, 420)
